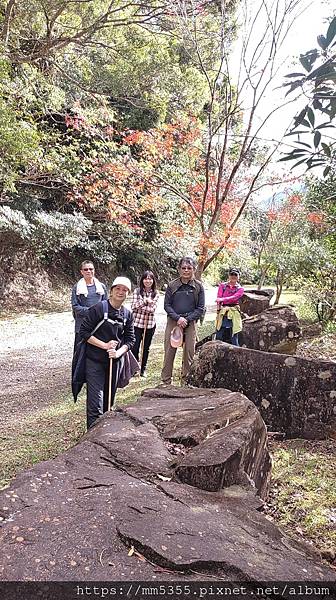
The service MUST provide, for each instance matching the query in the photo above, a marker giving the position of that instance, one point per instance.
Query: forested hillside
(127, 138)
(76, 77)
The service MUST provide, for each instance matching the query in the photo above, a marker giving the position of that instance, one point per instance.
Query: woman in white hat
(109, 332)
(144, 304)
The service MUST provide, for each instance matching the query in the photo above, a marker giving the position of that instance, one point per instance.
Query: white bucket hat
(122, 281)
(176, 337)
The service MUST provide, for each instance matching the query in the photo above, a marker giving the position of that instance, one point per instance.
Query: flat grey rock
(169, 488)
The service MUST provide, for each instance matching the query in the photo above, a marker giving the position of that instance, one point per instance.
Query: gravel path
(35, 362)
(35, 359)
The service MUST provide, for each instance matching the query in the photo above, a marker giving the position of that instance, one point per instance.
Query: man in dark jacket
(87, 292)
(114, 337)
(184, 304)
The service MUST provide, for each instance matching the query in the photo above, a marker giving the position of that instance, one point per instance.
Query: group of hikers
(110, 338)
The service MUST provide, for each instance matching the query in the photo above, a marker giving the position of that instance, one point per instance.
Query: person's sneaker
(143, 374)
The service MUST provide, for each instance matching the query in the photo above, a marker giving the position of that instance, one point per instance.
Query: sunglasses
(88, 269)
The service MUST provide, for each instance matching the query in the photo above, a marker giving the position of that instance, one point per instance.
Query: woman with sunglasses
(87, 292)
(229, 320)
(144, 304)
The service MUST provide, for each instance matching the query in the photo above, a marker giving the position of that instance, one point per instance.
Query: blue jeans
(224, 334)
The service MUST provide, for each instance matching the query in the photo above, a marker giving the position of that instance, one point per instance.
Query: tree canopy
(128, 135)
(314, 144)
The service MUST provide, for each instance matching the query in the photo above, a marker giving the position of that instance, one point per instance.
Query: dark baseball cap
(234, 272)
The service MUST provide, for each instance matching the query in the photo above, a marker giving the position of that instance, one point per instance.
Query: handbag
(128, 369)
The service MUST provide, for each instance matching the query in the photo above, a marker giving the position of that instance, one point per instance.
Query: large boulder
(223, 432)
(254, 302)
(276, 329)
(117, 507)
(296, 396)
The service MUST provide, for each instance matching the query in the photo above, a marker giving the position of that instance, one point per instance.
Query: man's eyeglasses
(88, 269)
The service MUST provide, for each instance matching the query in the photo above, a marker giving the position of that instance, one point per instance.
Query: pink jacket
(228, 295)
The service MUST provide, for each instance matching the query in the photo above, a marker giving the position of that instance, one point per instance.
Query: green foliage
(318, 83)
(18, 144)
(296, 297)
(320, 291)
(14, 226)
(143, 78)
(72, 75)
(303, 489)
(289, 244)
(47, 233)
(54, 232)
(320, 197)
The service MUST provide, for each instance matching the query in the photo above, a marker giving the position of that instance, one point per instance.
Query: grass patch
(40, 436)
(303, 493)
(304, 310)
(330, 328)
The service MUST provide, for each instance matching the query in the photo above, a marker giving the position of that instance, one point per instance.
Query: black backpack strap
(125, 314)
(105, 309)
(197, 290)
(105, 316)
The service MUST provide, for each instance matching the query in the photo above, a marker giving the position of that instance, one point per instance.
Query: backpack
(196, 295)
(196, 290)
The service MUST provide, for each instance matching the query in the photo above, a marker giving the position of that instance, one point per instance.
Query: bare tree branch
(115, 16)
(6, 24)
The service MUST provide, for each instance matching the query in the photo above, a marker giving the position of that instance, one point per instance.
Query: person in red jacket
(228, 296)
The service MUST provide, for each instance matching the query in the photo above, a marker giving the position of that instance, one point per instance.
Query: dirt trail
(35, 359)
(35, 362)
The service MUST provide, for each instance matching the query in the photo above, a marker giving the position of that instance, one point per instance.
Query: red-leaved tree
(209, 166)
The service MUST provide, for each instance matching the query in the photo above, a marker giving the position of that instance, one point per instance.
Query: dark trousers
(77, 339)
(224, 334)
(97, 378)
(147, 342)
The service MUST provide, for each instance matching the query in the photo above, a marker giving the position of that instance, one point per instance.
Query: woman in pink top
(229, 294)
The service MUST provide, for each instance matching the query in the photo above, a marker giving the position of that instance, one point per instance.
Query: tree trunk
(201, 262)
(199, 271)
(262, 277)
(280, 279)
(7, 20)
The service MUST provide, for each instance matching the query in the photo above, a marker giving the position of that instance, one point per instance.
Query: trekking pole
(143, 341)
(110, 386)
(182, 366)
